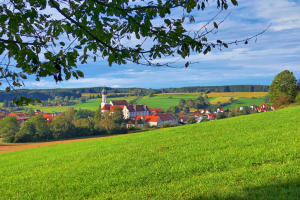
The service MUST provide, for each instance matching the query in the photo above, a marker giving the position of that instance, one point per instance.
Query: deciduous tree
(8, 128)
(50, 37)
(284, 83)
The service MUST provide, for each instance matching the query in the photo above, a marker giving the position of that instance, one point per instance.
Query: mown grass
(247, 157)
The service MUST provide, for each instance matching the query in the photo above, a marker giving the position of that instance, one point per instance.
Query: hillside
(248, 157)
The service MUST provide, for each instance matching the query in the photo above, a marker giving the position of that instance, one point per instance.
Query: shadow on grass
(276, 191)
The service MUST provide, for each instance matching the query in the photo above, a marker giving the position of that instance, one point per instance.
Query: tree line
(71, 124)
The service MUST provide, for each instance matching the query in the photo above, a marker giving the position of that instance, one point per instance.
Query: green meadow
(165, 101)
(245, 102)
(246, 157)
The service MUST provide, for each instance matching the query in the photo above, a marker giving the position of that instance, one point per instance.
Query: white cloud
(283, 14)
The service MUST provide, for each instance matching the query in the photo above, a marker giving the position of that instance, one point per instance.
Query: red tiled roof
(17, 114)
(120, 102)
(47, 116)
(113, 108)
(197, 113)
(148, 118)
(106, 107)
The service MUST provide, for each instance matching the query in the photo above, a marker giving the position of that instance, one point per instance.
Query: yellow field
(224, 94)
(238, 94)
(221, 100)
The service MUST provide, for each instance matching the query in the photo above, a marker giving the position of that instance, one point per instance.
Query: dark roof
(130, 108)
(166, 116)
(140, 108)
(120, 103)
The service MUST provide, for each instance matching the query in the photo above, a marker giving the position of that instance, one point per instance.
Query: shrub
(62, 127)
(191, 120)
(281, 101)
(35, 129)
(298, 98)
(8, 128)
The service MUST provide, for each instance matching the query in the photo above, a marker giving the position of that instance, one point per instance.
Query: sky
(256, 63)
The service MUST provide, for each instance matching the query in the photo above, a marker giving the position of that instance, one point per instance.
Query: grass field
(165, 101)
(247, 157)
(245, 102)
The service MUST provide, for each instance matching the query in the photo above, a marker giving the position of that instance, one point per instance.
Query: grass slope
(247, 157)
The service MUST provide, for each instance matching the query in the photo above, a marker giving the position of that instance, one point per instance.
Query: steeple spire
(104, 98)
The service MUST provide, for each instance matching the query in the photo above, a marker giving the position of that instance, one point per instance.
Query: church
(129, 111)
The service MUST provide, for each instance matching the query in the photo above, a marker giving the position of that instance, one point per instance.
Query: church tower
(104, 98)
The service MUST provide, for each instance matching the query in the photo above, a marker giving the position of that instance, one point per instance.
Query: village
(140, 116)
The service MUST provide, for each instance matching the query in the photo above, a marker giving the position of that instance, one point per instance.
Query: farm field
(165, 101)
(238, 94)
(245, 102)
(234, 158)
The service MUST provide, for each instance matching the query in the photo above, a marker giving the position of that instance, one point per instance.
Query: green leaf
(234, 2)
(80, 73)
(216, 25)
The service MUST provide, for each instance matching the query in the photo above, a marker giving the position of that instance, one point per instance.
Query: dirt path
(7, 147)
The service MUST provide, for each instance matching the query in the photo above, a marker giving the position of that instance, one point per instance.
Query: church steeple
(104, 91)
(104, 98)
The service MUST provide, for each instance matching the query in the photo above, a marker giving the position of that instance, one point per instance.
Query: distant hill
(44, 94)
(247, 157)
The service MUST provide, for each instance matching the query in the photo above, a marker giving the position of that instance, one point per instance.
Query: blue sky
(255, 63)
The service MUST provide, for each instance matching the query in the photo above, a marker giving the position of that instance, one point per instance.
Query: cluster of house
(206, 114)
(22, 117)
(138, 115)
